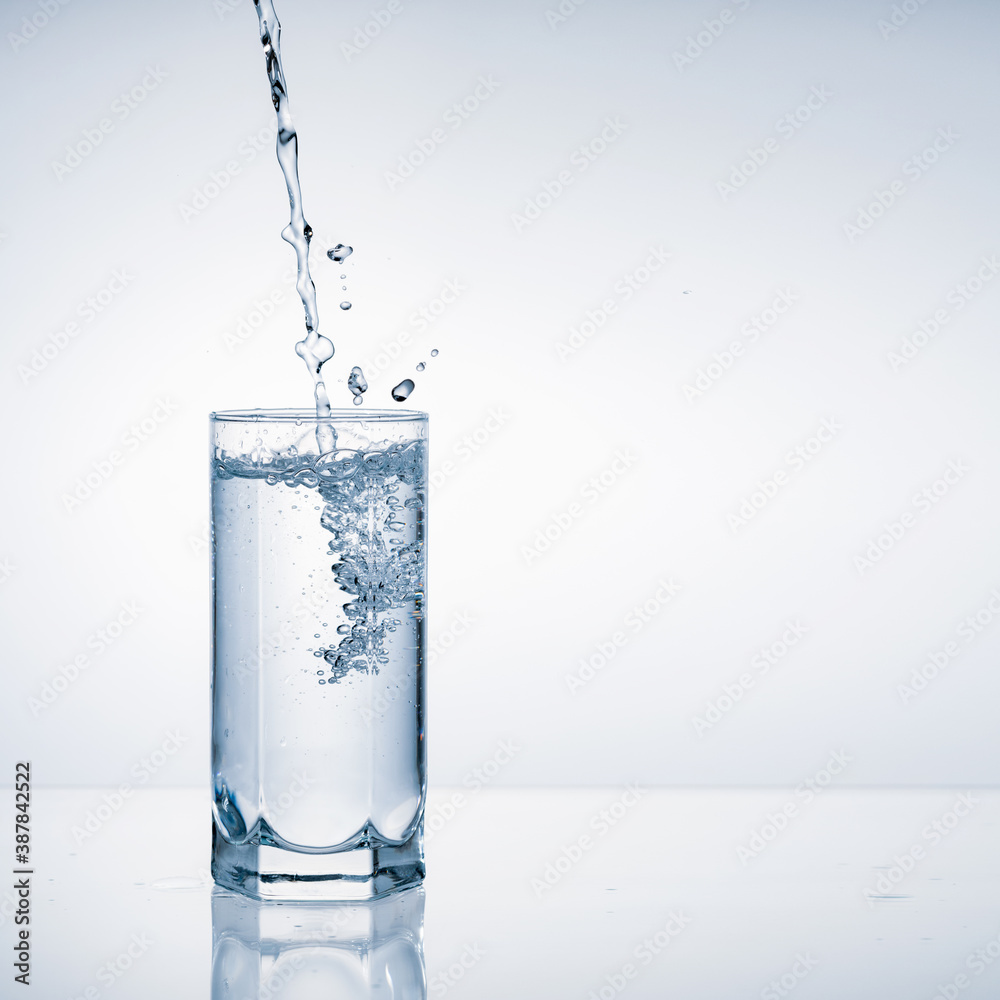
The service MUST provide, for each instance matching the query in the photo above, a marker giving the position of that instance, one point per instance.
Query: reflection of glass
(371, 950)
(318, 561)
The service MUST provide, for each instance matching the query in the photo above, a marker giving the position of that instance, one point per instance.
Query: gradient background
(169, 336)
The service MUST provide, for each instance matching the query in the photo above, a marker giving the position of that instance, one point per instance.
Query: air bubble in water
(421, 367)
(345, 305)
(401, 391)
(434, 353)
(340, 252)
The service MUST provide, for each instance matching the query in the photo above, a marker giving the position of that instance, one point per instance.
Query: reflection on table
(307, 951)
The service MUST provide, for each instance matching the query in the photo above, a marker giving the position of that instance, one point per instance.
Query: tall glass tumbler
(318, 580)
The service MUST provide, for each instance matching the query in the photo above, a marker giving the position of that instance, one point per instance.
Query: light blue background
(139, 538)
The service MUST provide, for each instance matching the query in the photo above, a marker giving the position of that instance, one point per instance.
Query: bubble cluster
(374, 563)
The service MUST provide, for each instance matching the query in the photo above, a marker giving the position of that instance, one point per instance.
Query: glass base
(264, 872)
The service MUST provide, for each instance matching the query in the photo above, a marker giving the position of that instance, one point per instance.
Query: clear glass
(318, 587)
(371, 950)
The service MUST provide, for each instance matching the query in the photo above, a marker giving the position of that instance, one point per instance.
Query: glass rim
(291, 415)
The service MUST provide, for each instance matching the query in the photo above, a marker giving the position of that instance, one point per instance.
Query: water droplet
(434, 353)
(345, 305)
(340, 252)
(357, 384)
(343, 288)
(421, 367)
(282, 742)
(343, 276)
(687, 291)
(401, 391)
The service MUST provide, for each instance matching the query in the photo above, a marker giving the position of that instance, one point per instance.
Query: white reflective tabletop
(537, 893)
